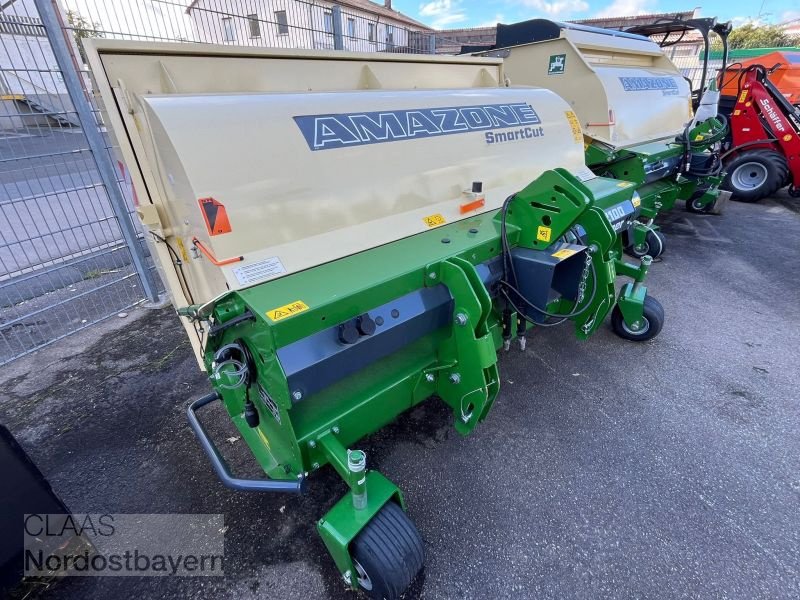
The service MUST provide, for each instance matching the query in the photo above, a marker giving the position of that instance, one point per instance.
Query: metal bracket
(221, 467)
(473, 382)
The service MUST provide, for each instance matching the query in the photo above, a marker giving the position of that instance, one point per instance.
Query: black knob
(348, 333)
(477, 187)
(250, 414)
(365, 324)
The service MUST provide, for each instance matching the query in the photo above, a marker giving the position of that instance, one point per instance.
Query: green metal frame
(457, 363)
(658, 196)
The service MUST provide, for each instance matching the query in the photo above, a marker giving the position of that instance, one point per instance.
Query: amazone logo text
(325, 132)
(641, 84)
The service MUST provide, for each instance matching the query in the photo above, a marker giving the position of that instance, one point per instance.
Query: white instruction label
(584, 174)
(259, 271)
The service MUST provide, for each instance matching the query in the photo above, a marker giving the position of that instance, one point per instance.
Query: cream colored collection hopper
(262, 161)
(623, 88)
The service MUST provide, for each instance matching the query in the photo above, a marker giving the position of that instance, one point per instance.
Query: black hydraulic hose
(509, 262)
(721, 76)
(746, 144)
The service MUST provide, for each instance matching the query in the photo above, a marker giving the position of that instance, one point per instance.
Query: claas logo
(215, 216)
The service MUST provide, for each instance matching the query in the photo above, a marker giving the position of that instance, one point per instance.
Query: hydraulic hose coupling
(357, 464)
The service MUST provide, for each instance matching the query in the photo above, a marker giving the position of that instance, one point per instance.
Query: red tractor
(762, 146)
(764, 150)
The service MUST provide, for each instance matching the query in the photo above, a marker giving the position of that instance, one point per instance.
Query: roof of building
(383, 11)
(374, 8)
(451, 40)
(630, 21)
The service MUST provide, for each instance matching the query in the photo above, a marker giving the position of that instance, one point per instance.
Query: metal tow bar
(221, 467)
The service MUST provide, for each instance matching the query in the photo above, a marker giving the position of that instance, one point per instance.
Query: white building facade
(31, 85)
(356, 25)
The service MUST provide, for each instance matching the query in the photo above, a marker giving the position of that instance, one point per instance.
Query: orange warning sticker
(215, 216)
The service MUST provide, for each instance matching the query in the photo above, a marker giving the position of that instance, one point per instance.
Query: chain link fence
(687, 52)
(71, 251)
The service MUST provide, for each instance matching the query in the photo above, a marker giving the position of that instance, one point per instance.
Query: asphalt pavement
(607, 469)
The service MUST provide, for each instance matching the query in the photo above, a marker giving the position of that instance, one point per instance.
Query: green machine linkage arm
(543, 213)
(470, 386)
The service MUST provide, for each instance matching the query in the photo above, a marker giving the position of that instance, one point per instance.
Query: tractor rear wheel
(754, 175)
(646, 329)
(387, 554)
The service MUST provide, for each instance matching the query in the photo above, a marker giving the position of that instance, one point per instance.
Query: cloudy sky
(472, 13)
(166, 18)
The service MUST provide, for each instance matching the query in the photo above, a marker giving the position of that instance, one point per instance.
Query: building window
(351, 27)
(254, 25)
(328, 21)
(228, 33)
(282, 21)
(371, 32)
(389, 35)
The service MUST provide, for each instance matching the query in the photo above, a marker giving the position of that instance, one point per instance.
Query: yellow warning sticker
(564, 253)
(737, 112)
(287, 310)
(182, 248)
(624, 184)
(636, 201)
(743, 95)
(575, 125)
(787, 138)
(434, 220)
(699, 137)
(543, 233)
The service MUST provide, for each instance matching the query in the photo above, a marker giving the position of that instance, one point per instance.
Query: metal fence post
(338, 36)
(55, 35)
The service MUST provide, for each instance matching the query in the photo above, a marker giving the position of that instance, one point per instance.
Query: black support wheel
(387, 554)
(754, 175)
(646, 329)
(693, 205)
(654, 245)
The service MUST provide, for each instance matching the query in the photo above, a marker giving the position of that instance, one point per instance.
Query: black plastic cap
(365, 324)
(348, 333)
(251, 414)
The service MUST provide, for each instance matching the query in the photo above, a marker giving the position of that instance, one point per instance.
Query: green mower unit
(633, 108)
(343, 243)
